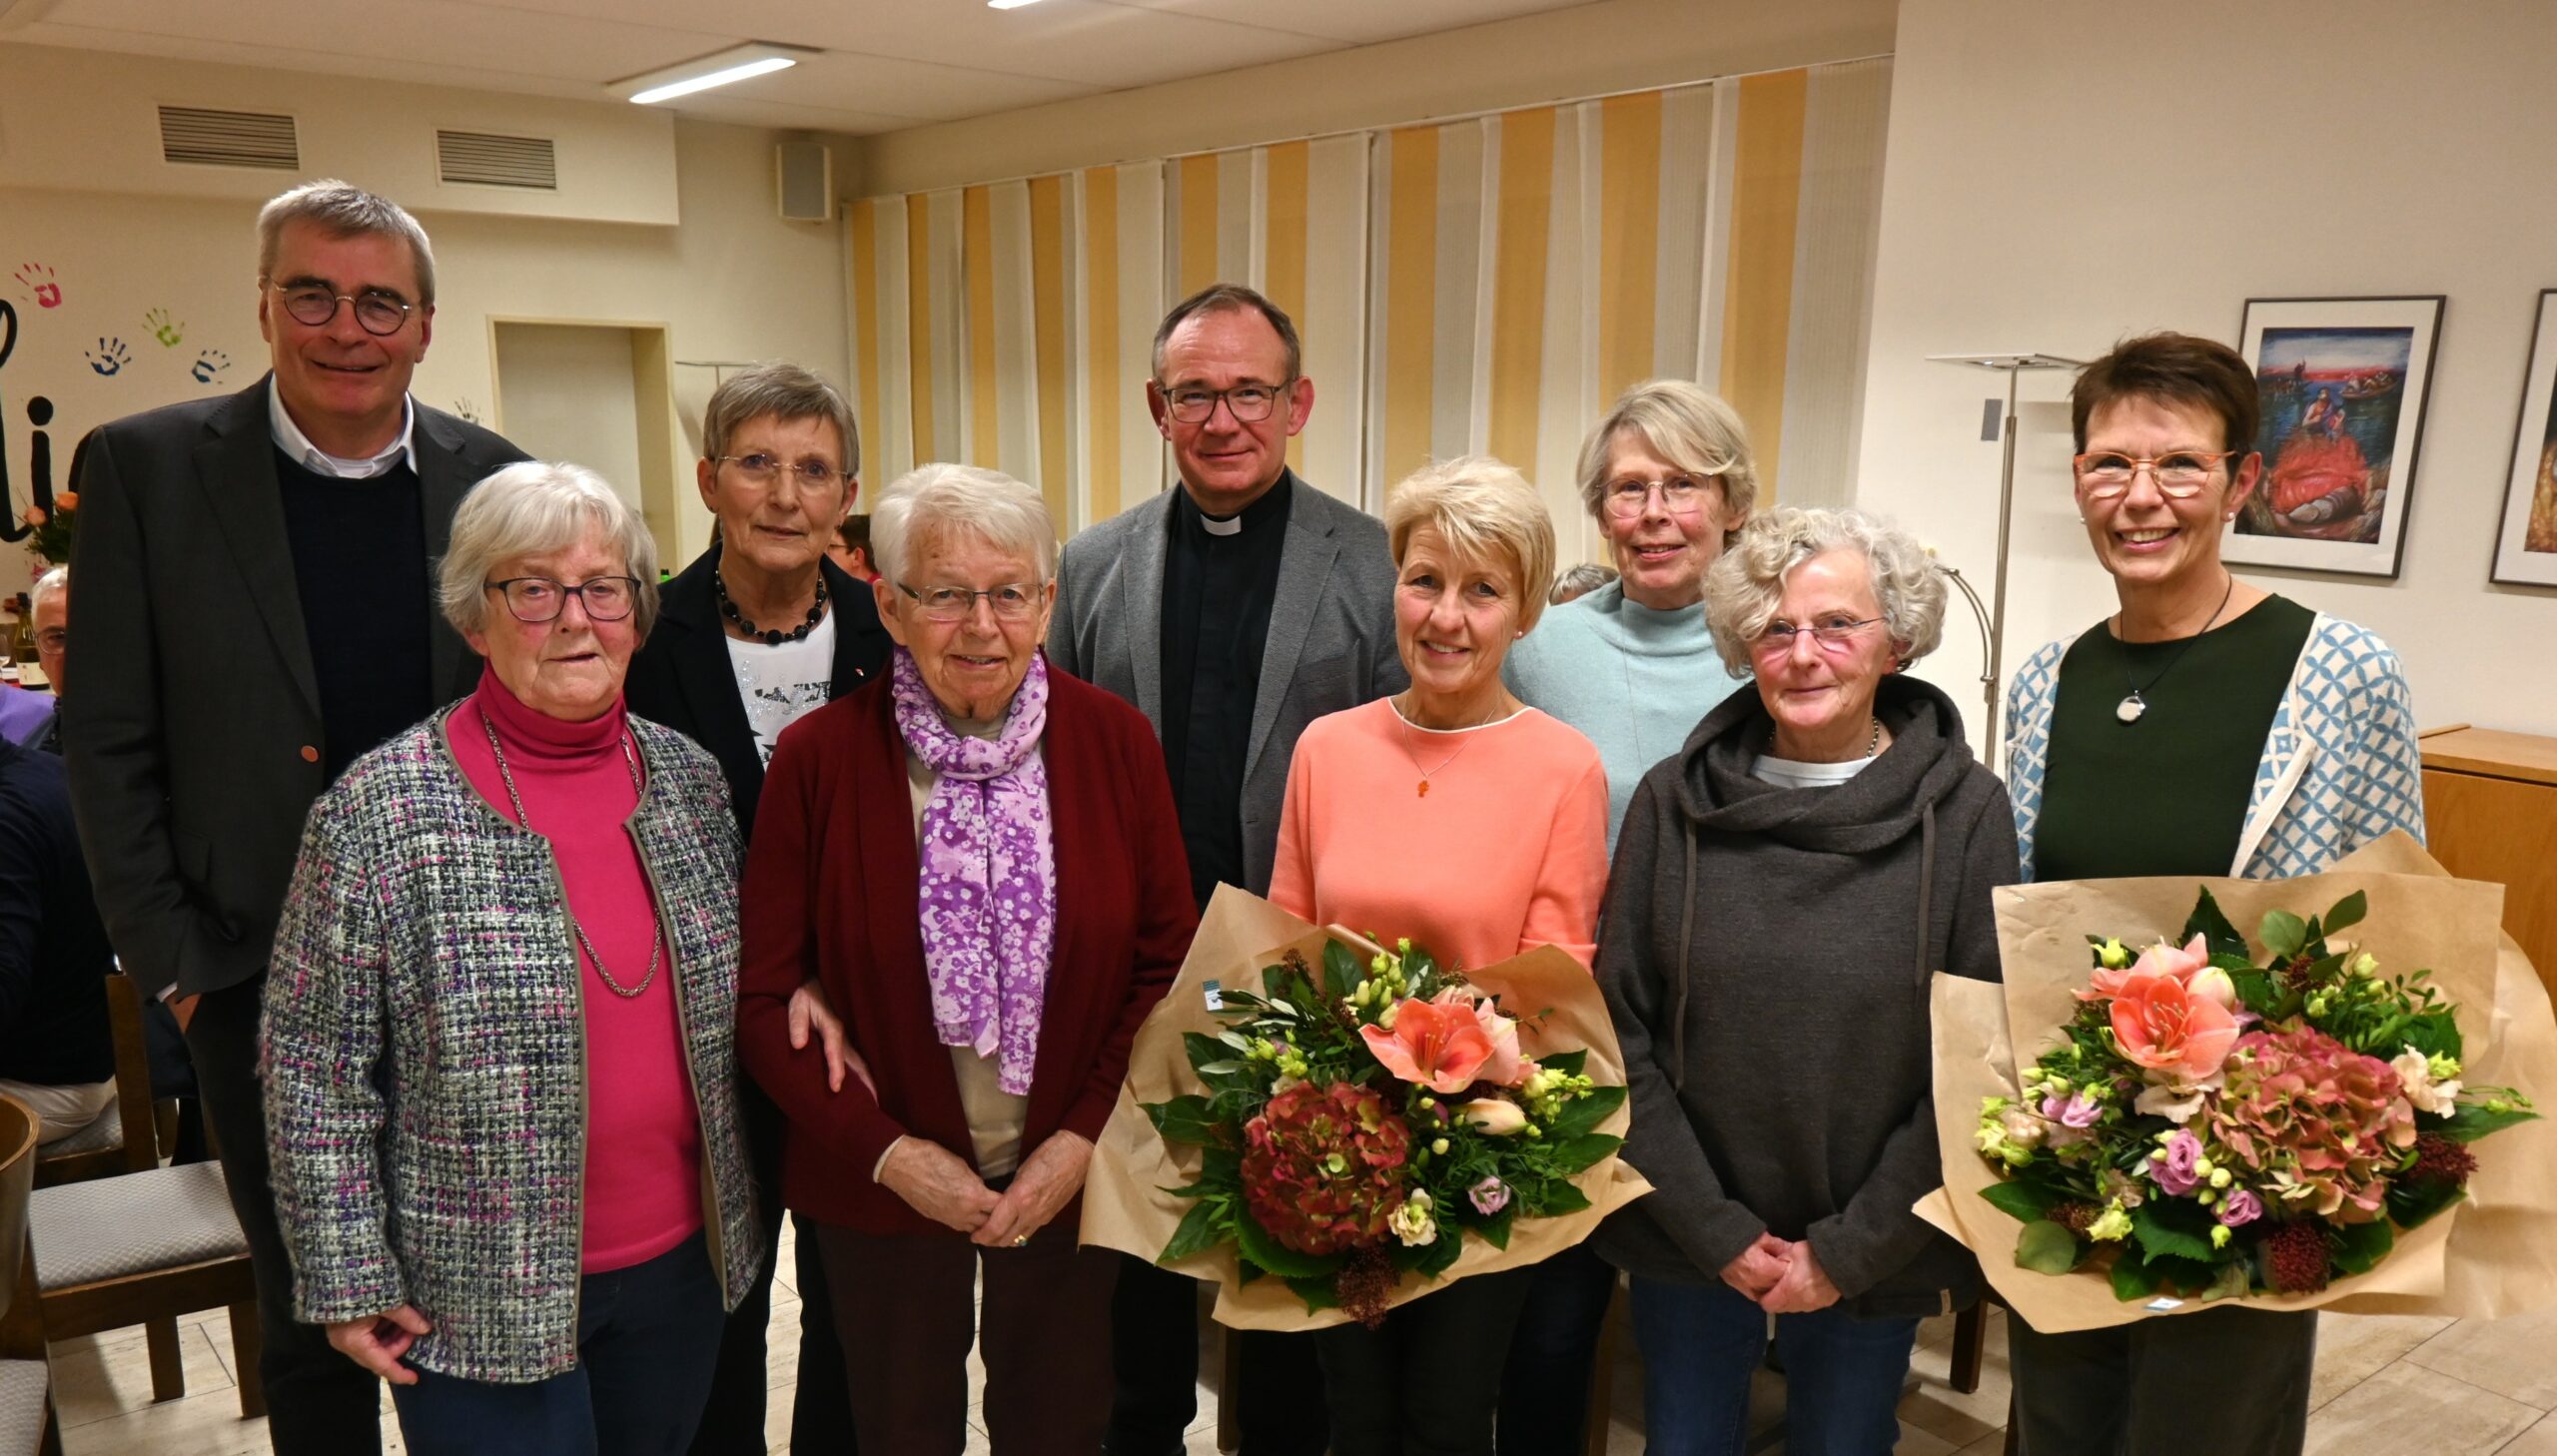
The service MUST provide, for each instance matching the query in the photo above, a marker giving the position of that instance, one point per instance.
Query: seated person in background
(56, 1052)
(851, 547)
(1578, 581)
(50, 607)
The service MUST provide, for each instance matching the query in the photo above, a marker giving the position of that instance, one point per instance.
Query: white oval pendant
(2130, 709)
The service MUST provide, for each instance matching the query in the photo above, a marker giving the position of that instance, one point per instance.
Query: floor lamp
(1993, 620)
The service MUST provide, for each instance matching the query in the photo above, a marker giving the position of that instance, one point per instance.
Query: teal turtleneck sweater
(1635, 680)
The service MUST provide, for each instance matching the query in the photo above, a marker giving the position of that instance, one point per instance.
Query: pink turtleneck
(643, 1131)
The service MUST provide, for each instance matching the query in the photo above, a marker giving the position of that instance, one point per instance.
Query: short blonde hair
(530, 508)
(1746, 585)
(1690, 428)
(934, 502)
(1486, 510)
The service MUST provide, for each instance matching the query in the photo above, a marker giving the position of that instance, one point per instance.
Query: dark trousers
(647, 1337)
(820, 1408)
(1426, 1382)
(1154, 1335)
(319, 1402)
(2138, 1389)
(1701, 1344)
(1544, 1392)
(1045, 1342)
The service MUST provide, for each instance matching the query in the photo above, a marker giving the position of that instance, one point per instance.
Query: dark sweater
(53, 951)
(1766, 962)
(360, 567)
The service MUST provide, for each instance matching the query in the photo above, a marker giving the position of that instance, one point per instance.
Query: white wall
(2061, 176)
(732, 281)
(565, 393)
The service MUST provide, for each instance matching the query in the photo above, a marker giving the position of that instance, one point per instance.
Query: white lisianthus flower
(1411, 1222)
(2439, 1096)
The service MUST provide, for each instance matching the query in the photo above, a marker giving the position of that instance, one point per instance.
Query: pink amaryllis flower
(1506, 1067)
(1441, 1047)
(2188, 966)
(2166, 1028)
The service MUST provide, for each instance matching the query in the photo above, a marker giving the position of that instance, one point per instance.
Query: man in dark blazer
(1233, 611)
(761, 628)
(255, 613)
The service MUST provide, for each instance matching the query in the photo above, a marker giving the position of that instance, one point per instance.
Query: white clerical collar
(297, 447)
(1231, 526)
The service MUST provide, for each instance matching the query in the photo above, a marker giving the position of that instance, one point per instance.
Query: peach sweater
(1507, 849)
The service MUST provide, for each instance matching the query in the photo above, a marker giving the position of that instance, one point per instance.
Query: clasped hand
(940, 1185)
(1781, 1276)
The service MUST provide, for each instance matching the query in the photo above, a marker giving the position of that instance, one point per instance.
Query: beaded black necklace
(772, 637)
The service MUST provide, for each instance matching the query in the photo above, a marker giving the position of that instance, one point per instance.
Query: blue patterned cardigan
(2340, 767)
(424, 1051)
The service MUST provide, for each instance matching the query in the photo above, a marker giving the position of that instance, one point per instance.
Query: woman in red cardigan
(980, 861)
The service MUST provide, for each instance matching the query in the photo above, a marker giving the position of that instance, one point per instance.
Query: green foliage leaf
(2435, 1033)
(2231, 1280)
(1441, 1253)
(1558, 1196)
(2411, 1204)
(1565, 1063)
(2261, 990)
(1254, 1243)
(2187, 1277)
(1495, 1229)
(1582, 1113)
(2473, 1121)
(1318, 1292)
(2360, 1247)
(1200, 1230)
(2048, 1249)
(1340, 970)
(2133, 1278)
(2347, 912)
(1185, 1119)
(2284, 933)
(2160, 1236)
(2211, 924)
(1584, 1151)
(2022, 1200)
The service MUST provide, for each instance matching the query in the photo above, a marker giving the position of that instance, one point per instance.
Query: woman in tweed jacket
(499, 1028)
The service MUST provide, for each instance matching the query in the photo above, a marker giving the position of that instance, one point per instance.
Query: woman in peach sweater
(1455, 815)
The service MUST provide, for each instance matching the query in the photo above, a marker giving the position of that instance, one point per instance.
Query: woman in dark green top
(2208, 728)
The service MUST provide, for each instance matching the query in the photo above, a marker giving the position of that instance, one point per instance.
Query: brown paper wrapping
(1123, 1203)
(2490, 1257)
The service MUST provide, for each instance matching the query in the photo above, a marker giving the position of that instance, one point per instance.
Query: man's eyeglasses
(1012, 602)
(763, 469)
(53, 639)
(540, 599)
(2104, 475)
(1679, 494)
(315, 304)
(1250, 404)
(1832, 634)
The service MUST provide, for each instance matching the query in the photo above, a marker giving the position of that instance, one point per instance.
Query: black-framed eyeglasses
(1012, 602)
(1831, 633)
(763, 469)
(541, 599)
(379, 314)
(1250, 404)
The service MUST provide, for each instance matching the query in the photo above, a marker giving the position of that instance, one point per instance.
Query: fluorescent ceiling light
(738, 63)
(1008, 4)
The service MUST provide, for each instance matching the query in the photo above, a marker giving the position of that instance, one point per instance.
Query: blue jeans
(1701, 1341)
(1544, 1391)
(648, 1342)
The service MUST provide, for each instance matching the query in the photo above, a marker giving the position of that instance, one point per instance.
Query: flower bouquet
(50, 532)
(2293, 1130)
(1330, 1126)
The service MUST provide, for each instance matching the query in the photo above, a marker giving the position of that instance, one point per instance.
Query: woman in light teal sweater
(1667, 476)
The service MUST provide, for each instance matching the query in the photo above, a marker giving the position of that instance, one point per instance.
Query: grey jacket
(1331, 644)
(424, 1054)
(1766, 954)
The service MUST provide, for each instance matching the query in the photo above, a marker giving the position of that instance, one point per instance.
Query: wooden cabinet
(2490, 813)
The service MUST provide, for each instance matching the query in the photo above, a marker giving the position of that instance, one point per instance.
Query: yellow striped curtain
(1488, 285)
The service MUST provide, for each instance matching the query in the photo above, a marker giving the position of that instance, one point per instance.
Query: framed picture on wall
(2526, 544)
(2344, 382)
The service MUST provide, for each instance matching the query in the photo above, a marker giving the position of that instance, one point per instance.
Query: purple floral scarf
(987, 880)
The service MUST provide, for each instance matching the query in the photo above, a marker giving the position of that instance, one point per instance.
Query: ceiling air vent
(494, 161)
(195, 137)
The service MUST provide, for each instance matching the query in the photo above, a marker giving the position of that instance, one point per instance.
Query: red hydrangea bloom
(1323, 1166)
(2317, 1123)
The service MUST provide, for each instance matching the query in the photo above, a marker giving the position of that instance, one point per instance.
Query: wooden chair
(148, 1246)
(127, 1141)
(26, 1424)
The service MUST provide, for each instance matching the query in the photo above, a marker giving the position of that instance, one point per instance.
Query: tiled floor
(2469, 1388)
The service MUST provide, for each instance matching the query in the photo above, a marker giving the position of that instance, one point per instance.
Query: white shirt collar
(297, 447)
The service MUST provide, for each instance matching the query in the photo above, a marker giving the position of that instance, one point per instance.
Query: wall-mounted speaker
(804, 181)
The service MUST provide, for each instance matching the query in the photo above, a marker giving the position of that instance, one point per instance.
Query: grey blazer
(1331, 644)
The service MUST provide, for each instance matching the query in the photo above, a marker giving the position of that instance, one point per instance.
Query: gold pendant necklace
(1427, 773)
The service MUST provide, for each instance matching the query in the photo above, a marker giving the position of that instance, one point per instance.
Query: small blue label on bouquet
(2161, 1304)
(1216, 996)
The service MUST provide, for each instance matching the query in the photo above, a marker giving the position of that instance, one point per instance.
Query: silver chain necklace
(656, 942)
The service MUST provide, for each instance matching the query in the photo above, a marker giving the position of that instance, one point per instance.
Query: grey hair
(1486, 510)
(56, 582)
(1746, 585)
(932, 503)
(529, 510)
(1684, 425)
(343, 210)
(786, 393)
(1581, 580)
(1231, 298)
